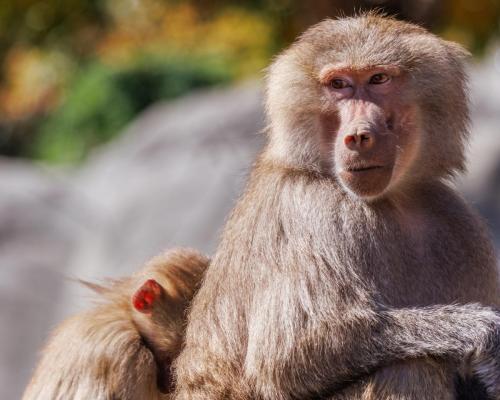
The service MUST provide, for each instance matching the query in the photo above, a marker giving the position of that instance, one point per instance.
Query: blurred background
(128, 126)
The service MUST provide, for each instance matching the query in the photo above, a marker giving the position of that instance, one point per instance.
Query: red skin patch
(348, 139)
(145, 297)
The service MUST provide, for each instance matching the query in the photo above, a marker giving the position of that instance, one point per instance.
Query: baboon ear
(146, 296)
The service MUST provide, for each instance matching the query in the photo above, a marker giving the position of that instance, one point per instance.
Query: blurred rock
(481, 185)
(170, 180)
(41, 223)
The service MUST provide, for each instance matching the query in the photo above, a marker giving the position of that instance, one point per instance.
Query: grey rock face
(481, 185)
(39, 231)
(170, 180)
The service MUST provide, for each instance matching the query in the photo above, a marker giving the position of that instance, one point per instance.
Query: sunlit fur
(315, 292)
(111, 351)
(296, 101)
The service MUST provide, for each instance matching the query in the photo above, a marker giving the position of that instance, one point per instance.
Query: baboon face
(355, 99)
(370, 126)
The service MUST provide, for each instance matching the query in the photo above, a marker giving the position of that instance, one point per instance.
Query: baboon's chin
(366, 183)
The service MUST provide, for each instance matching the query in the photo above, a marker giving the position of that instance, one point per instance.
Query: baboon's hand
(485, 360)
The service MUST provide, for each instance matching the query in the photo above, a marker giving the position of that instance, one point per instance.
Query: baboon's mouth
(363, 169)
(366, 180)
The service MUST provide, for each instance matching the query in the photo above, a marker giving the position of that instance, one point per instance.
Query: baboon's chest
(412, 262)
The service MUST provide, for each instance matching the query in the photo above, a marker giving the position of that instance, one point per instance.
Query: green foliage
(103, 99)
(67, 23)
(53, 110)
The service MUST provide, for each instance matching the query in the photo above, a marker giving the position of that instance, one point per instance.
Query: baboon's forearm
(449, 332)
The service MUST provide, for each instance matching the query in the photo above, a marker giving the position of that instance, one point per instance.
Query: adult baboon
(349, 254)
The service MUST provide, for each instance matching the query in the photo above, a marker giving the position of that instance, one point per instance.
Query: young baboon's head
(377, 103)
(161, 293)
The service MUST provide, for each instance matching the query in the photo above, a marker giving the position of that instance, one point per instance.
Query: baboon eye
(338, 84)
(377, 79)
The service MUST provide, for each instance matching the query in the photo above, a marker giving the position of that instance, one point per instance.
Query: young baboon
(123, 348)
(349, 254)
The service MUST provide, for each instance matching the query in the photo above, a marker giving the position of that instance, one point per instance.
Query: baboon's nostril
(350, 140)
(389, 123)
(359, 141)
